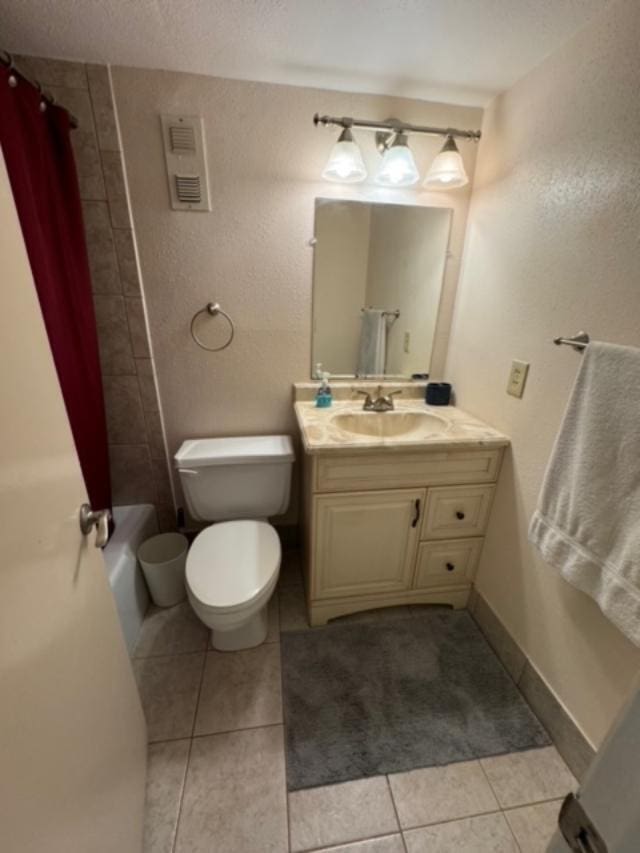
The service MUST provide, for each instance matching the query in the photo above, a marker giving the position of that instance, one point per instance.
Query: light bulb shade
(398, 168)
(447, 170)
(345, 163)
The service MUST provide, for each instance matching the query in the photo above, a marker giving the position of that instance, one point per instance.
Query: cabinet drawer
(448, 562)
(456, 511)
(336, 473)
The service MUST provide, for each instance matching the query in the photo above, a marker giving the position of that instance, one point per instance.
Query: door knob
(459, 515)
(99, 520)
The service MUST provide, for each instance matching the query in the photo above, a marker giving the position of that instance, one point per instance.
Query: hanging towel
(373, 343)
(587, 523)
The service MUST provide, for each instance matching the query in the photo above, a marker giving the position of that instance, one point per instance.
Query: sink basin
(391, 424)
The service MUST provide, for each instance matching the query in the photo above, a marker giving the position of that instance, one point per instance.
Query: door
(72, 733)
(609, 797)
(365, 542)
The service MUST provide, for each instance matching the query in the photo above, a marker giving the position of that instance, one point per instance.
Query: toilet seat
(233, 564)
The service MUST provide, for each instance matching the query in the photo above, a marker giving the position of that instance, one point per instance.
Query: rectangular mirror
(377, 277)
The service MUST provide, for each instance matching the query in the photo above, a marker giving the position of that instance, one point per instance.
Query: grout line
(513, 835)
(181, 800)
(351, 841)
(284, 733)
(197, 705)
(395, 811)
(215, 734)
(452, 819)
(532, 803)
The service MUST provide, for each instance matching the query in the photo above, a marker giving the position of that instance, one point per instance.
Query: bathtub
(134, 524)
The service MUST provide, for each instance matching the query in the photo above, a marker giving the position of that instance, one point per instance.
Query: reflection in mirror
(377, 277)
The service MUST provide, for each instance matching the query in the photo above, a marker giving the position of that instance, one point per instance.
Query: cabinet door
(365, 542)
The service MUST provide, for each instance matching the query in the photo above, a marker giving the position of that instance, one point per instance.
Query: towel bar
(578, 342)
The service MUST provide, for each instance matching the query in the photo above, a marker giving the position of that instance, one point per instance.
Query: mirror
(377, 277)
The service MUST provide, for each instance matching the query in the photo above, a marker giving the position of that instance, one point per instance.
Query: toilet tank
(227, 478)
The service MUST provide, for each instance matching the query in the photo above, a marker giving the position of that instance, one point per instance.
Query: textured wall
(552, 247)
(139, 471)
(251, 252)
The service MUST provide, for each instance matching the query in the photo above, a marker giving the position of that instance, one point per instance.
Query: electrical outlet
(407, 341)
(517, 378)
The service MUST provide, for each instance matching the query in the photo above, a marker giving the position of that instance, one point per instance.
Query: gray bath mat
(364, 699)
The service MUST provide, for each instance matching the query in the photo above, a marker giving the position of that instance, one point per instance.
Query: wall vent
(184, 151)
(188, 189)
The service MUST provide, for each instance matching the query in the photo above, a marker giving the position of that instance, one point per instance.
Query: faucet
(381, 403)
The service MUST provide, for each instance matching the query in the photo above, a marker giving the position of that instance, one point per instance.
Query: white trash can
(163, 559)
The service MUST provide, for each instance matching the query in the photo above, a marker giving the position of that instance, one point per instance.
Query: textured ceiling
(460, 51)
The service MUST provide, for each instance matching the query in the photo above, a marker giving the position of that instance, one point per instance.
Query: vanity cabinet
(394, 528)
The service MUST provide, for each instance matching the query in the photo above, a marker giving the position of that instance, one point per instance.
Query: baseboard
(562, 728)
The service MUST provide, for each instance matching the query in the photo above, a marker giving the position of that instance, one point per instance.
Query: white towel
(587, 523)
(373, 343)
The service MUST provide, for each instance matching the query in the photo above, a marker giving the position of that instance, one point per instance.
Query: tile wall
(137, 452)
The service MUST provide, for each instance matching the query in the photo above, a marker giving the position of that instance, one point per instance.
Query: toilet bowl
(232, 570)
(233, 565)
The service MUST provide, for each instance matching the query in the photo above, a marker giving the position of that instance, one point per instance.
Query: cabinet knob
(459, 515)
(450, 567)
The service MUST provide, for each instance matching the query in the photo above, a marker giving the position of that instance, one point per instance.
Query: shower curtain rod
(8, 60)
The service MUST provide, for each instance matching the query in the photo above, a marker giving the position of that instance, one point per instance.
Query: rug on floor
(365, 699)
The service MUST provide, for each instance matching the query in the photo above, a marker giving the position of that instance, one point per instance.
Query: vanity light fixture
(447, 170)
(398, 167)
(345, 163)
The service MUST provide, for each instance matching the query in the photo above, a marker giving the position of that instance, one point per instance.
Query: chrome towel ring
(212, 309)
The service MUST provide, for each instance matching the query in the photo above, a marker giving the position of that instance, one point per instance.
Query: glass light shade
(398, 168)
(345, 163)
(447, 170)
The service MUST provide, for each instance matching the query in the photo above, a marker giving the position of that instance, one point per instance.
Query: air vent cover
(184, 151)
(182, 138)
(188, 189)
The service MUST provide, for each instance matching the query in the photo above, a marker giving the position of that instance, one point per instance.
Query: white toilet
(233, 566)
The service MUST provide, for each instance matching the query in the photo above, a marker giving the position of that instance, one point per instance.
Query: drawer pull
(459, 515)
(450, 567)
(416, 518)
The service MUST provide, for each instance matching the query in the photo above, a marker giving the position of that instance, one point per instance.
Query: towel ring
(212, 309)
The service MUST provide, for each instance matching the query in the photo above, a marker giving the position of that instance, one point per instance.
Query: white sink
(391, 424)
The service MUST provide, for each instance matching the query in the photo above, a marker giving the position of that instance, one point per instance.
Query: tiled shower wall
(139, 471)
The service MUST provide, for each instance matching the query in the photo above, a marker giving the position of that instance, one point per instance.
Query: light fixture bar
(394, 126)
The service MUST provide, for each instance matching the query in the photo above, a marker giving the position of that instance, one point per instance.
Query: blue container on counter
(438, 393)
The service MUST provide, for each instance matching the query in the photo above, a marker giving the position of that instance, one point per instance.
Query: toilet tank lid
(249, 450)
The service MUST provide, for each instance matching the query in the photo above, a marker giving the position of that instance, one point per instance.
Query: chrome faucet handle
(389, 398)
(368, 402)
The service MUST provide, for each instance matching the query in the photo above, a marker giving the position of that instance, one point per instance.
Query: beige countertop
(445, 427)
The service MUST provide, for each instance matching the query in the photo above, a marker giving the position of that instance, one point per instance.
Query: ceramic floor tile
(521, 778)
(293, 609)
(533, 826)
(166, 768)
(487, 833)
(235, 799)
(273, 630)
(240, 690)
(335, 814)
(436, 794)
(171, 631)
(169, 693)
(385, 844)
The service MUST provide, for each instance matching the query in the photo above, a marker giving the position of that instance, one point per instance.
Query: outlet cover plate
(517, 378)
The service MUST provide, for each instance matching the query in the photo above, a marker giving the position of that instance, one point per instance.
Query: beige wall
(251, 252)
(552, 247)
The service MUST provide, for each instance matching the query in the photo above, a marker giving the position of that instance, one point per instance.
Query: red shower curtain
(39, 158)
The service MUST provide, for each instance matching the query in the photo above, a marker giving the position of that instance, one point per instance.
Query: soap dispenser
(324, 397)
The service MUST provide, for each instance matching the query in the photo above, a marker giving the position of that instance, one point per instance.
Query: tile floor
(216, 780)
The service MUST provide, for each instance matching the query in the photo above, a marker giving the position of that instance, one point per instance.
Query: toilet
(233, 565)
